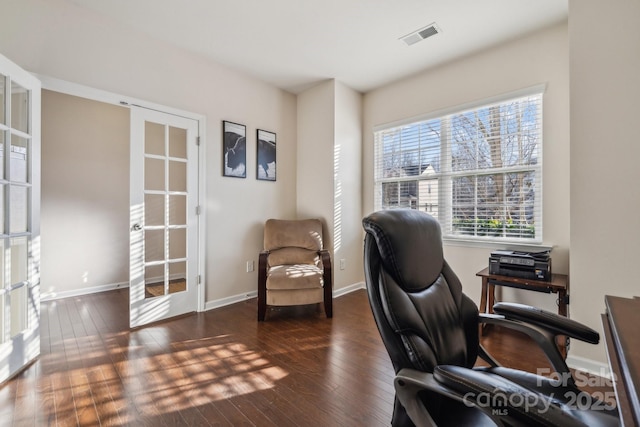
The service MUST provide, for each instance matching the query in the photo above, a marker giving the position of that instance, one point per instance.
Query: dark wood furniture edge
(618, 351)
(624, 409)
(557, 282)
(327, 279)
(262, 285)
(559, 285)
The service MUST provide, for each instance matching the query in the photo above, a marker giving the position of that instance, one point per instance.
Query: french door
(164, 223)
(19, 218)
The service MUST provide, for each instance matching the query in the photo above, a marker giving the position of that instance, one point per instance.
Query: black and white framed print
(234, 149)
(266, 155)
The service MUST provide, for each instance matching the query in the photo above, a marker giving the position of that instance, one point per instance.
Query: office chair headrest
(410, 246)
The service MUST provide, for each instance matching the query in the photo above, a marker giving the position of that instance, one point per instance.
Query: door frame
(24, 347)
(82, 91)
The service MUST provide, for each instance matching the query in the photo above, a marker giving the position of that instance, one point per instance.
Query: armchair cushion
(282, 233)
(290, 256)
(299, 276)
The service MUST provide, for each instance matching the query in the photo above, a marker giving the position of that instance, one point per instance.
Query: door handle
(136, 227)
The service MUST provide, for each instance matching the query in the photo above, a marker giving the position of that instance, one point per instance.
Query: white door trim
(82, 91)
(24, 347)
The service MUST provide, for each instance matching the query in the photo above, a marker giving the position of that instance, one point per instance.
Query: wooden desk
(559, 284)
(622, 341)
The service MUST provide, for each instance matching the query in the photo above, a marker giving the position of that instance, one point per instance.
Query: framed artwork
(266, 155)
(234, 149)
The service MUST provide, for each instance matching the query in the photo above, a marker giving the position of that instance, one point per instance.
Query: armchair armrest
(325, 256)
(555, 323)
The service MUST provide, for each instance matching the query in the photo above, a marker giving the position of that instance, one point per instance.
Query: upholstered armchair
(294, 268)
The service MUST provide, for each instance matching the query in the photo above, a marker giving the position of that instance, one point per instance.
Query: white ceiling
(294, 44)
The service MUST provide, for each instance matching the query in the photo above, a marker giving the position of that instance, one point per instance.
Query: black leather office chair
(430, 329)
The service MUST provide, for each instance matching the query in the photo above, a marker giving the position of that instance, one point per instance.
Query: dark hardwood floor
(219, 368)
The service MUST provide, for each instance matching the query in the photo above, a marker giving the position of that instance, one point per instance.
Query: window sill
(516, 246)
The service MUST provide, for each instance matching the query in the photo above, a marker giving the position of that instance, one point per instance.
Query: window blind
(478, 170)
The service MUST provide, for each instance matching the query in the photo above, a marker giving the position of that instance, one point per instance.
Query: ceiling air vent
(421, 34)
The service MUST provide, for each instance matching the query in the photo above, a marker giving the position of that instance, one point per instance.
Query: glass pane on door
(2, 294)
(2, 139)
(178, 243)
(177, 210)
(19, 277)
(154, 245)
(2, 210)
(19, 260)
(154, 209)
(18, 209)
(2, 334)
(154, 280)
(18, 310)
(3, 116)
(178, 176)
(165, 187)
(177, 142)
(19, 158)
(154, 174)
(154, 139)
(19, 108)
(2, 284)
(178, 271)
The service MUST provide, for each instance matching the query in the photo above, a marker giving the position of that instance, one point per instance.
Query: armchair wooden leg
(328, 305)
(262, 309)
(262, 285)
(327, 278)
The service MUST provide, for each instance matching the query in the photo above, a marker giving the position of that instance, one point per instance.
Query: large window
(478, 171)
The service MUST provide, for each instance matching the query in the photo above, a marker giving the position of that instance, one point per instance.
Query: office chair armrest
(543, 327)
(481, 390)
(502, 399)
(555, 323)
(408, 384)
(545, 338)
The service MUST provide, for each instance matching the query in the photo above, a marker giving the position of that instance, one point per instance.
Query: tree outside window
(477, 171)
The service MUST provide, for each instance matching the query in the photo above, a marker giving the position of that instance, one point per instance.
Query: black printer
(526, 265)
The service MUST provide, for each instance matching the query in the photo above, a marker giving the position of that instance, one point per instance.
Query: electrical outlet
(249, 266)
(343, 263)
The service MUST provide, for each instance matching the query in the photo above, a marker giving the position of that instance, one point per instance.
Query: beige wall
(85, 194)
(329, 172)
(541, 58)
(347, 206)
(57, 39)
(605, 148)
(315, 133)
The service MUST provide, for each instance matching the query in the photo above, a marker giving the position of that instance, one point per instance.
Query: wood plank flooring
(218, 368)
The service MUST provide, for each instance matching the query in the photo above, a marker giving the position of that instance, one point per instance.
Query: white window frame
(445, 175)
